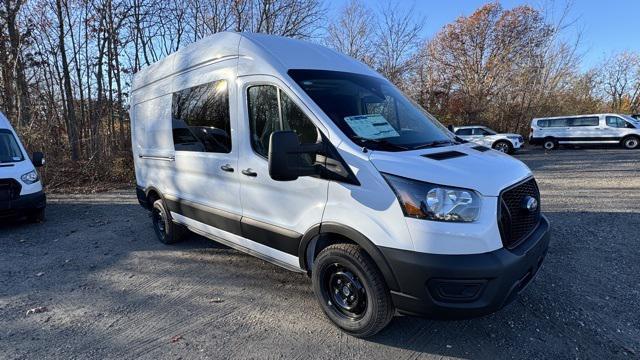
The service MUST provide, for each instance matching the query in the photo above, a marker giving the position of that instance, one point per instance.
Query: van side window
(558, 122)
(270, 109)
(616, 122)
(200, 118)
(543, 123)
(586, 121)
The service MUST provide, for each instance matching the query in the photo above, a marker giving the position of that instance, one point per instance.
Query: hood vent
(445, 155)
(481, 148)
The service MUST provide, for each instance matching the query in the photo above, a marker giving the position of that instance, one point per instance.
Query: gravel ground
(111, 290)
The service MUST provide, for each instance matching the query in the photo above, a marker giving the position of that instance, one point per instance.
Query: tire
(503, 146)
(351, 290)
(166, 230)
(36, 216)
(550, 144)
(631, 142)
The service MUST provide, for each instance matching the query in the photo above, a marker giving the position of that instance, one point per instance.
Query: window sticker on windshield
(373, 126)
(16, 158)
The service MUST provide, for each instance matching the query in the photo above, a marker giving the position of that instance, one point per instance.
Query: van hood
(486, 171)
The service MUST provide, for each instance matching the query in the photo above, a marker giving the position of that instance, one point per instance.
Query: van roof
(257, 54)
(470, 126)
(571, 116)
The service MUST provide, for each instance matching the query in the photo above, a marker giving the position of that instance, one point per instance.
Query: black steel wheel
(166, 231)
(351, 290)
(345, 291)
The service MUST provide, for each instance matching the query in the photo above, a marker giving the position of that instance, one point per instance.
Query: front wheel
(503, 147)
(630, 142)
(351, 290)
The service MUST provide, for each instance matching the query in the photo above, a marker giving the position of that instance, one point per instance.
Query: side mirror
(37, 159)
(286, 160)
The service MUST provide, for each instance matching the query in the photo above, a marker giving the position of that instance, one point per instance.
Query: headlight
(423, 200)
(30, 177)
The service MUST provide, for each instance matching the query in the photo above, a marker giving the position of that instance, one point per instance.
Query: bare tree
(352, 33)
(620, 81)
(397, 39)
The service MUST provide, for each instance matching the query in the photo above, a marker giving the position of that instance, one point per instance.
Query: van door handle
(249, 172)
(226, 167)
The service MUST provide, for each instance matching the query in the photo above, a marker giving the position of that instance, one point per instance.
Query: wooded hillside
(66, 65)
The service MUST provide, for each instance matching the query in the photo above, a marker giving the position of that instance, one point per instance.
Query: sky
(606, 27)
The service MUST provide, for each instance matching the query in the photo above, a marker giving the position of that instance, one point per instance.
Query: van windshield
(9, 149)
(372, 112)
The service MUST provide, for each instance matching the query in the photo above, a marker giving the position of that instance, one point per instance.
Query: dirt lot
(113, 291)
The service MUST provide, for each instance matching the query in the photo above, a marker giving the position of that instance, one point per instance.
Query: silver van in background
(585, 129)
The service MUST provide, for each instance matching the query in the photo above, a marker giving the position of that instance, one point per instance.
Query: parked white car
(309, 159)
(585, 129)
(21, 191)
(506, 143)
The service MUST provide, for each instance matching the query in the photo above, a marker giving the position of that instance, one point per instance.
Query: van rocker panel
(464, 286)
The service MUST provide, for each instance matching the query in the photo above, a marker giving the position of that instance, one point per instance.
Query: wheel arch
(502, 140)
(147, 196)
(322, 235)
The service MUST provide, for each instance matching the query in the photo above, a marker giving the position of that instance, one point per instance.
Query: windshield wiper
(433, 144)
(380, 142)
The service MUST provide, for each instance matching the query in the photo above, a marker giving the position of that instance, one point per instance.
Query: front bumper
(463, 286)
(23, 204)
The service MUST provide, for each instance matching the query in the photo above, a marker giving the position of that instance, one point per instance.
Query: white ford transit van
(308, 159)
(21, 191)
(585, 129)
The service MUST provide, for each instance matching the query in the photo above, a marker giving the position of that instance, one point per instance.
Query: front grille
(9, 189)
(515, 221)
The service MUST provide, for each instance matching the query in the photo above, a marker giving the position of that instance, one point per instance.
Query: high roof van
(306, 158)
(21, 191)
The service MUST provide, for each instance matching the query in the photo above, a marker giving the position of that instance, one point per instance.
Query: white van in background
(21, 191)
(306, 158)
(585, 129)
(506, 143)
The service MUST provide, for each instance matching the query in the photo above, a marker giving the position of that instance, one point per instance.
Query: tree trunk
(71, 115)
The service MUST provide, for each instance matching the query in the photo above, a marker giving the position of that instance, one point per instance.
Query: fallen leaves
(176, 338)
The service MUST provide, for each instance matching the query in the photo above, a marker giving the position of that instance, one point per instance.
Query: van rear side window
(200, 118)
(585, 121)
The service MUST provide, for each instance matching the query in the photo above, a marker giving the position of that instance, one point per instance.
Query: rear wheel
(351, 290)
(631, 142)
(166, 231)
(550, 144)
(503, 146)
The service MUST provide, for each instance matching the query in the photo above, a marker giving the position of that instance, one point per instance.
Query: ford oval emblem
(530, 204)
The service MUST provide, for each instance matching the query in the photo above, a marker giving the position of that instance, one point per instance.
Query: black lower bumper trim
(463, 286)
(23, 204)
